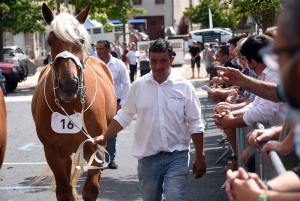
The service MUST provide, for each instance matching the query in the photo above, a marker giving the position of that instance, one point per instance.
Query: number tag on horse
(62, 124)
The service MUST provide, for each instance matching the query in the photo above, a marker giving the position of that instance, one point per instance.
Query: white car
(208, 36)
(13, 54)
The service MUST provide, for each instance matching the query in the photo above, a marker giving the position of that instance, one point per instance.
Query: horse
(3, 128)
(74, 100)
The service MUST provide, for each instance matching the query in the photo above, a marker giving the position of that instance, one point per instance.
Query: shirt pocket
(176, 108)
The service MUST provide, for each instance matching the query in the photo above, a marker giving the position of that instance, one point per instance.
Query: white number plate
(62, 124)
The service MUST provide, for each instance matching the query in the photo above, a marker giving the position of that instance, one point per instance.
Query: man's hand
(216, 95)
(226, 119)
(101, 140)
(256, 137)
(275, 146)
(199, 166)
(232, 76)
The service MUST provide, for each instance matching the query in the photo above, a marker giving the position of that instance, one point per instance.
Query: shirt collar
(111, 60)
(171, 77)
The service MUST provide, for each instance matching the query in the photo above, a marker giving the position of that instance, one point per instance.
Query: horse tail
(46, 176)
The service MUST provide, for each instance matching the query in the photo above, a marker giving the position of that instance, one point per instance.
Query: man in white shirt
(121, 86)
(116, 49)
(168, 116)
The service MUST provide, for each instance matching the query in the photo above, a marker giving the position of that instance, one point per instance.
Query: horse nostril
(68, 86)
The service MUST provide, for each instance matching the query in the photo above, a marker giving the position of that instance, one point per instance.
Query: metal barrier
(266, 169)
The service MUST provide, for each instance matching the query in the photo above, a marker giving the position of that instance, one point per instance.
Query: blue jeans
(2, 85)
(164, 172)
(111, 148)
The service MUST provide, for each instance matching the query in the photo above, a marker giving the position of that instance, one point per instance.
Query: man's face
(160, 65)
(220, 58)
(93, 47)
(289, 73)
(102, 52)
(195, 44)
(231, 51)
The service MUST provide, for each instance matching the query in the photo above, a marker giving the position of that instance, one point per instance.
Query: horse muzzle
(68, 89)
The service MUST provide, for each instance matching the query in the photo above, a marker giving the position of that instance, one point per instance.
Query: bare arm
(258, 87)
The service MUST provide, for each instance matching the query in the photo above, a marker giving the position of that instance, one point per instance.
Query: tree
(19, 16)
(102, 10)
(263, 12)
(199, 13)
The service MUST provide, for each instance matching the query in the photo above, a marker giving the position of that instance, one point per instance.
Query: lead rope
(79, 155)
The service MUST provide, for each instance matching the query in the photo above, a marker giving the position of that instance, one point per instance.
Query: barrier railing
(266, 169)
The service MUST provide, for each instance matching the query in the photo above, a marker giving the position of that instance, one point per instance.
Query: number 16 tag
(62, 124)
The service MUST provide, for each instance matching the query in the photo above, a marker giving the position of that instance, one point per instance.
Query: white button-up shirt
(262, 110)
(121, 78)
(167, 114)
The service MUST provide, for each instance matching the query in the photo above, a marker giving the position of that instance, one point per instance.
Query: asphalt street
(25, 159)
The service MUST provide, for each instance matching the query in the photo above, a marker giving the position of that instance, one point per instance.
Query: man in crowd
(121, 86)
(195, 59)
(92, 52)
(168, 116)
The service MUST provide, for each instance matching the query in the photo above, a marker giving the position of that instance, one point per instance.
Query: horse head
(69, 41)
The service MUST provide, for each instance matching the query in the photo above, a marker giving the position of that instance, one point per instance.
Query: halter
(82, 89)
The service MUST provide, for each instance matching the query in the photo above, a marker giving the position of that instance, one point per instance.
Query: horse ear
(47, 13)
(81, 17)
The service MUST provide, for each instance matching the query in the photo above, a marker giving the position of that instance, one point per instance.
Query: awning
(136, 21)
(92, 24)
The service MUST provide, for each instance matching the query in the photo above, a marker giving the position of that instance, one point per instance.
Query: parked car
(13, 73)
(13, 54)
(209, 36)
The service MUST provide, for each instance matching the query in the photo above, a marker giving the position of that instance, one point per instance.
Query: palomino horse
(74, 99)
(3, 128)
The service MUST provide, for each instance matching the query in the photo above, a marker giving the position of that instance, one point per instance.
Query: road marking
(24, 187)
(32, 163)
(30, 145)
(18, 98)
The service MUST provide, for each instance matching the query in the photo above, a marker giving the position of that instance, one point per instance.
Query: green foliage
(263, 12)
(102, 10)
(21, 16)
(199, 14)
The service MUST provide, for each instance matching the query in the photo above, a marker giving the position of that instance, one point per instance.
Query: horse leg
(62, 175)
(91, 188)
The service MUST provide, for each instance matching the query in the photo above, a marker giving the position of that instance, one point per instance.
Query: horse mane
(67, 28)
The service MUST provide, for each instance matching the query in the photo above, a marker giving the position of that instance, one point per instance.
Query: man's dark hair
(124, 43)
(105, 42)
(161, 45)
(250, 48)
(233, 41)
(224, 50)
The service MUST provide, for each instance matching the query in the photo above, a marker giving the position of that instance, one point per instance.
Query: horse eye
(81, 40)
(49, 43)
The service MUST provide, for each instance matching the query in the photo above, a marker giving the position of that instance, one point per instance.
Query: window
(159, 1)
(106, 31)
(89, 31)
(119, 29)
(198, 33)
(137, 2)
(97, 31)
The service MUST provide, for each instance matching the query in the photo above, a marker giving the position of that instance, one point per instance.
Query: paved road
(25, 157)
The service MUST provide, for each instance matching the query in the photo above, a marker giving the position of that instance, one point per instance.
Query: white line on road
(32, 163)
(17, 98)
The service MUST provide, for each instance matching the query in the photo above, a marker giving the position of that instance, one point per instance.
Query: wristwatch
(263, 196)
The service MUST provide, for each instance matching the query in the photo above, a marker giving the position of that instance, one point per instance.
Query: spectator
(121, 86)
(195, 58)
(2, 82)
(116, 49)
(209, 58)
(92, 52)
(125, 51)
(133, 58)
(168, 116)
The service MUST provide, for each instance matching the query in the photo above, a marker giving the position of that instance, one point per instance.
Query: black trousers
(132, 68)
